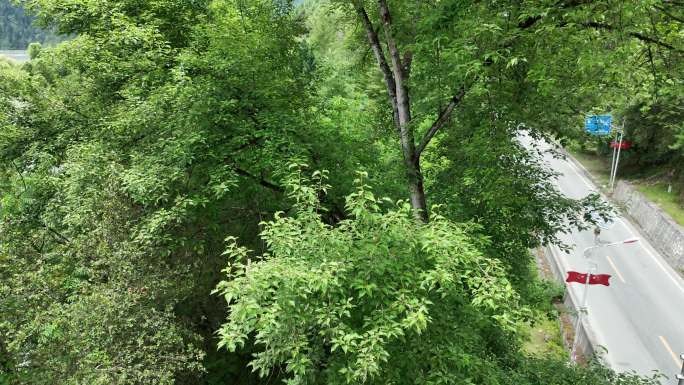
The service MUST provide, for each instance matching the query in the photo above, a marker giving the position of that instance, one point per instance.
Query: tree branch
(60, 238)
(380, 58)
(532, 20)
(391, 44)
(649, 39)
(637, 35)
(408, 59)
(441, 121)
(528, 22)
(263, 182)
(668, 14)
(406, 137)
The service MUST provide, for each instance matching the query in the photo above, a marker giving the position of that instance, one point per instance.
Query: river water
(18, 55)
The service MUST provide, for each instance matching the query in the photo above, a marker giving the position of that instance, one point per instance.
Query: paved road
(639, 319)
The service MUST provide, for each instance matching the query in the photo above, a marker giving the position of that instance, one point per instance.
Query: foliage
(379, 298)
(476, 166)
(648, 95)
(336, 304)
(129, 154)
(504, 187)
(34, 50)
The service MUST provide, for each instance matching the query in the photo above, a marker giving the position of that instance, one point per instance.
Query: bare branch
(441, 121)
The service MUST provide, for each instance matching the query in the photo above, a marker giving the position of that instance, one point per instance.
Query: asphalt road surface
(639, 318)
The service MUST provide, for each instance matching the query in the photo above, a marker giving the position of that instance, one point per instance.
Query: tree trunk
(403, 105)
(396, 79)
(408, 149)
(416, 190)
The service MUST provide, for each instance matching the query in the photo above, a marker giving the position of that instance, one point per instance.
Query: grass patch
(655, 191)
(597, 166)
(668, 202)
(544, 339)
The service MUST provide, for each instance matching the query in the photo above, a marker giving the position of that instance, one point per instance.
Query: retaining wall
(663, 232)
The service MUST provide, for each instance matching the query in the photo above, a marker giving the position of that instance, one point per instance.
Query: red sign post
(624, 145)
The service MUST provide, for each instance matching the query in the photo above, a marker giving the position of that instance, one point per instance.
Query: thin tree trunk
(417, 191)
(403, 105)
(396, 79)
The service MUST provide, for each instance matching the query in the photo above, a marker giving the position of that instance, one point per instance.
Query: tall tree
(128, 154)
(433, 56)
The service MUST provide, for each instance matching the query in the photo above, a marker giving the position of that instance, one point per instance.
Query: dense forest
(17, 30)
(220, 192)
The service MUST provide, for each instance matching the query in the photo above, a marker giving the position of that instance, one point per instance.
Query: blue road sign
(598, 124)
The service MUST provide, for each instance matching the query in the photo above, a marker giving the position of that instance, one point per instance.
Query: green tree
(636, 70)
(34, 50)
(130, 153)
(433, 58)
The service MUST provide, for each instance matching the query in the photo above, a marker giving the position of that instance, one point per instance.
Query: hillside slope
(17, 30)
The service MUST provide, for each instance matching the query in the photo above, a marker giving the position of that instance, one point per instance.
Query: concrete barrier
(663, 232)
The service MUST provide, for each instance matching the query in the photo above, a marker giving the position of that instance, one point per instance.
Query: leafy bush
(347, 304)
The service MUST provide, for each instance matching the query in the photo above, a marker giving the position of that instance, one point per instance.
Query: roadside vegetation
(649, 105)
(257, 192)
(659, 183)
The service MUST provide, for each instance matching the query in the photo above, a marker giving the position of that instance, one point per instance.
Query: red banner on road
(594, 279)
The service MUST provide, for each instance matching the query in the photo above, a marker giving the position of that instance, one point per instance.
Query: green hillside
(17, 30)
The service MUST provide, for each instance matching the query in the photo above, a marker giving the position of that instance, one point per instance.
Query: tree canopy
(355, 165)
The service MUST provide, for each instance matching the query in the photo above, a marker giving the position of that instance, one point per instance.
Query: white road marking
(565, 264)
(610, 261)
(654, 258)
(676, 359)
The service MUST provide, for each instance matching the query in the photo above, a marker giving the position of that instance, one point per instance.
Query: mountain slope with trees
(17, 28)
